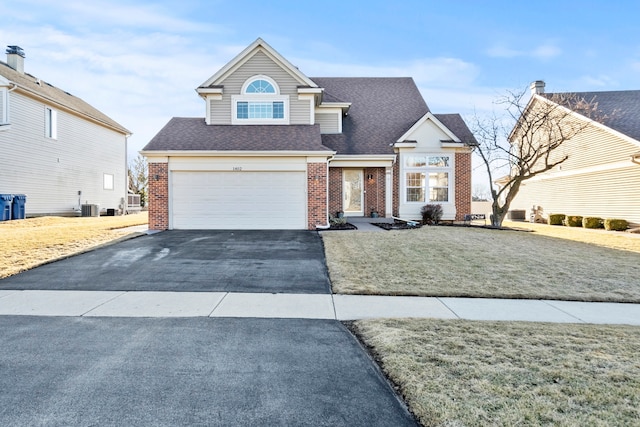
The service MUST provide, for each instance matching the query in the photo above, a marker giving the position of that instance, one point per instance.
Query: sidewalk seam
(549, 303)
(100, 305)
(218, 304)
(447, 307)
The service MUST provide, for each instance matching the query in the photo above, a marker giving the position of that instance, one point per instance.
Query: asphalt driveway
(168, 372)
(276, 261)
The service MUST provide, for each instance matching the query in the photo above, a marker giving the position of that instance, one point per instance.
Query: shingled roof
(456, 124)
(47, 91)
(620, 109)
(382, 109)
(192, 133)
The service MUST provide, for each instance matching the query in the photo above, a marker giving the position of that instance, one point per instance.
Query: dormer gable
(258, 46)
(429, 132)
(259, 86)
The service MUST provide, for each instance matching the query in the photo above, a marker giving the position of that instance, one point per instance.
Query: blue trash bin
(18, 210)
(5, 207)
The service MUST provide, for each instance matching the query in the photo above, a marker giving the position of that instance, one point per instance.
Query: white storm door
(352, 192)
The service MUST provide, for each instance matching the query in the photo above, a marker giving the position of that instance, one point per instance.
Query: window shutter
(3, 106)
(54, 124)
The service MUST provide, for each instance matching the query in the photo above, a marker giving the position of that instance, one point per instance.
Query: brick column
(317, 176)
(463, 185)
(158, 196)
(335, 190)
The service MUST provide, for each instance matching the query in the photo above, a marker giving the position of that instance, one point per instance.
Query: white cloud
(448, 72)
(542, 52)
(546, 52)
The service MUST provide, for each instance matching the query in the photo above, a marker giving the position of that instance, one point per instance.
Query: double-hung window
(427, 178)
(260, 103)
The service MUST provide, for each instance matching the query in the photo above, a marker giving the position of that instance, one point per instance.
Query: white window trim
(426, 170)
(108, 181)
(259, 98)
(50, 123)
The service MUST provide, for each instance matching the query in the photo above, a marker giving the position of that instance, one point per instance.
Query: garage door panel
(238, 200)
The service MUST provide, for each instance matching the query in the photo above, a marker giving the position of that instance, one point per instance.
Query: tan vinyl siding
(52, 171)
(329, 122)
(299, 111)
(608, 194)
(596, 147)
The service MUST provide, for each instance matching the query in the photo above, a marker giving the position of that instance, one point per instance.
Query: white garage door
(238, 200)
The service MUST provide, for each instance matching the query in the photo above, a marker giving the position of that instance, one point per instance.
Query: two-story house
(601, 175)
(279, 150)
(55, 148)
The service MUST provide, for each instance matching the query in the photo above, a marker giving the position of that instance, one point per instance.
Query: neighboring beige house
(55, 148)
(279, 150)
(601, 176)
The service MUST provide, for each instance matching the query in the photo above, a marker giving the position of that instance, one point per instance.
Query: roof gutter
(635, 158)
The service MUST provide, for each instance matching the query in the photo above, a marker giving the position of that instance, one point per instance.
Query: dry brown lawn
(478, 262)
(31, 242)
(463, 373)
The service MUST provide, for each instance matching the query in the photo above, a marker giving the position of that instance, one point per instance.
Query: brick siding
(335, 190)
(375, 191)
(158, 196)
(463, 185)
(317, 194)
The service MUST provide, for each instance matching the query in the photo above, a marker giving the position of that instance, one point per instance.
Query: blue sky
(140, 61)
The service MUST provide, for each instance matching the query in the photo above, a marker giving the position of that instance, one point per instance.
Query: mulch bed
(396, 225)
(346, 226)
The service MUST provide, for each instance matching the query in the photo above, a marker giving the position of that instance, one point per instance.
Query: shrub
(431, 214)
(573, 221)
(592, 222)
(337, 220)
(615, 224)
(556, 219)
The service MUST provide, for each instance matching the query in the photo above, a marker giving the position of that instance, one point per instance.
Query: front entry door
(352, 192)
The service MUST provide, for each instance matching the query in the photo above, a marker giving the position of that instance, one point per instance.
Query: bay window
(427, 178)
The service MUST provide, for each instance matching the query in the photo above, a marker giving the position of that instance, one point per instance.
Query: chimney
(15, 58)
(537, 87)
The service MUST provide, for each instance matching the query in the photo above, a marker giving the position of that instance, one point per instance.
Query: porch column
(388, 183)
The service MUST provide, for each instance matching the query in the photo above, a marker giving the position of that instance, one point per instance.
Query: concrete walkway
(306, 306)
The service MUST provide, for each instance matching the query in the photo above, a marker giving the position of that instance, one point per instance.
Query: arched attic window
(260, 102)
(260, 86)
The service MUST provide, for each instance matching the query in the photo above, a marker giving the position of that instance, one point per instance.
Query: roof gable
(257, 46)
(428, 118)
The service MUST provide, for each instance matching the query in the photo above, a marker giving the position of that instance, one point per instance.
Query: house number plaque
(237, 168)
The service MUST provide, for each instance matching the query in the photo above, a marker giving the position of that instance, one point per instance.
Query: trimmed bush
(431, 214)
(592, 222)
(573, 221)
(613, 224)
(556, 219)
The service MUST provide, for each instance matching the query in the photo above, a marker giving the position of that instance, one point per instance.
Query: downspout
(328, 224)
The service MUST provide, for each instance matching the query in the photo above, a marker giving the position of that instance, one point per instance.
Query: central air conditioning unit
(90, 210)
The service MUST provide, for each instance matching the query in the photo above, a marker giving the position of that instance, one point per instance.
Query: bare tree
(527, 139)
(138, 178)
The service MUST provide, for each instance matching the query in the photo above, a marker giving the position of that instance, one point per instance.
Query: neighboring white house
(601, 176)
(55, 148)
